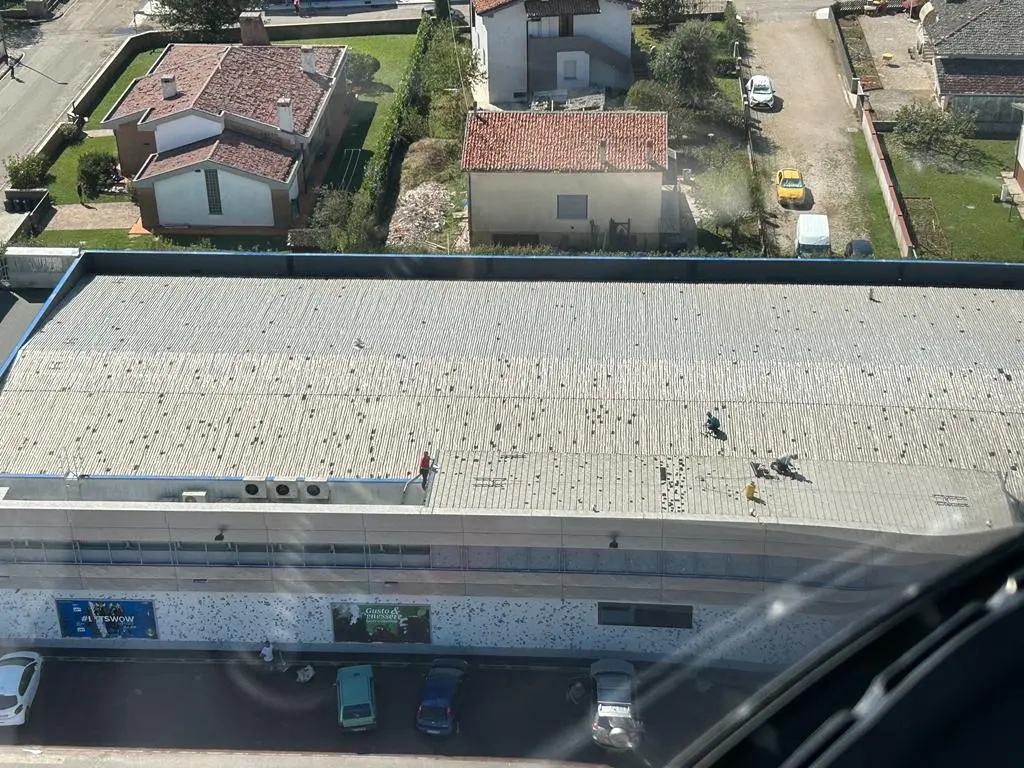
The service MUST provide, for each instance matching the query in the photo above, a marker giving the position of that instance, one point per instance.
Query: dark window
(572, 206)
(631, 615)
(29, 551)
(565, 25)
(213, 193)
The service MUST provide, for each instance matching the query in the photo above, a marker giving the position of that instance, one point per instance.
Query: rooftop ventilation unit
(314, 491)
(283, 488)
(196, 497)
(254, 488)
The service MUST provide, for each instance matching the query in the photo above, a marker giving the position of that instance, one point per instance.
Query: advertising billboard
(380, 623)
(101, 619)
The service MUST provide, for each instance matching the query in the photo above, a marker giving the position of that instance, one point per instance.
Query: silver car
(616, 724)
(760, 92)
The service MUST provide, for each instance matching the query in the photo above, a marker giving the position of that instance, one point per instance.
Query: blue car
(437, 713)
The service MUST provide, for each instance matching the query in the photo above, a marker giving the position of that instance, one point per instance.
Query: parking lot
(811, 129)
(507, 713)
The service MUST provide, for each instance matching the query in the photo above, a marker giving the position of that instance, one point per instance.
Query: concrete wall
(505, 38)
(830, 26)
(134, 146)
(527, 203)
(185, 130)
(463, 624)
(181, 200)
(37, 267)
(612, 26)
(897, 219)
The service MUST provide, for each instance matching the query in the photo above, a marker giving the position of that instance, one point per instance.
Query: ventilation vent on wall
(254, 487)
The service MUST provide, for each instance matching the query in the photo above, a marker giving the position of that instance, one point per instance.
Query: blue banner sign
(102, 619)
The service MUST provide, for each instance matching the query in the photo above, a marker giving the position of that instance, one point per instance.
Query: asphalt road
(508, 713)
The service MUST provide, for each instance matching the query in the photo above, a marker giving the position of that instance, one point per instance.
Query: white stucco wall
(184, 130)
(718, 634)
(505, 39)
(181, 201)
(526, 202)
(1020, 147)
(611, 26)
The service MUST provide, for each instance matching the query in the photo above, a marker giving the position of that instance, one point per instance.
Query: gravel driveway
(813, 130)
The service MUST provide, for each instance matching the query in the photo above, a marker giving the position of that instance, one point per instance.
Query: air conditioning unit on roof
(255, 488)
(314, 491)
(283, 488)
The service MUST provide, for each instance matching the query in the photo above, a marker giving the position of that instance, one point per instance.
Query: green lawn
(364, 125)
(119, 239)
(64, 171)
(966, 224)
(874, 215)
(136, 68)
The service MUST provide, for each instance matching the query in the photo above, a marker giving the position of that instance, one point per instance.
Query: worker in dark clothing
(713, 424)
(425, 468)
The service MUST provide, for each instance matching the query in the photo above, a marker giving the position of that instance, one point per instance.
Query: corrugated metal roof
(581, 392)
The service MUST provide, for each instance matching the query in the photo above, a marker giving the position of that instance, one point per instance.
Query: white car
(19, 681)
(760, 92)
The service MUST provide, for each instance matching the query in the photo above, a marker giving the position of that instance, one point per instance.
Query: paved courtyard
(94, 216)
(907, 78)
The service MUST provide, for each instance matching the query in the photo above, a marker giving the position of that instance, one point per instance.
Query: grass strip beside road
(137, 67)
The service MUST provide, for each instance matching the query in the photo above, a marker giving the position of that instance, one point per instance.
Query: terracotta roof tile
(238, 79)
(564, 141)
(980, 76)
(232, 149)
(535, 8)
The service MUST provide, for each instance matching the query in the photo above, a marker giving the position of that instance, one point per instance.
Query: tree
(724, 190)
(449, 63)
(686, 61)
(96, 171)
(926, 130)
(361, 68)
(26, 171)
(447, 116)
(210, 17)
(663, 13)
(652, 96)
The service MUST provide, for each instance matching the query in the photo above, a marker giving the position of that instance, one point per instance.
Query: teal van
(357, 699)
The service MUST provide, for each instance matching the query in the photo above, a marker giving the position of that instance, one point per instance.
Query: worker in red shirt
(425, 468)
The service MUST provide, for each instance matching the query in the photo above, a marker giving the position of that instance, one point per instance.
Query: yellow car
(789, 187)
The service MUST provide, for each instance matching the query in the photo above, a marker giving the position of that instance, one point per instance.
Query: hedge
(379, 188)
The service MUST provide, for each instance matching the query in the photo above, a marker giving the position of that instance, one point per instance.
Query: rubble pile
(420, 215)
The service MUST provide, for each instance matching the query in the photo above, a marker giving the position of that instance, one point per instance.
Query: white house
(527, 46)
(220, 138)
(587, 180)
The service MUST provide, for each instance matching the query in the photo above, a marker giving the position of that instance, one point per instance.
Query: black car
(437, 713)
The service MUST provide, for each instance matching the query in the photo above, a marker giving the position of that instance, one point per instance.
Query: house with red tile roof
(526, 46)
(573, 180)
(218, 138)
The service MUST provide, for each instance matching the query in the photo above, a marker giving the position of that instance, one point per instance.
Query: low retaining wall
(897, 218)
(39, 268)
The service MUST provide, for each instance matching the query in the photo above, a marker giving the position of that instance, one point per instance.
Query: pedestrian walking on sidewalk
(298, 7)
(425, 469)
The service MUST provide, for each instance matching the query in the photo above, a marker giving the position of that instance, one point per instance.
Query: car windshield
(433, 714)
(382, 332)
(356, 712)
(15, 661)
(6, 702)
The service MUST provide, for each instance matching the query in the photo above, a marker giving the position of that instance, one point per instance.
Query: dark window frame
(646, 615)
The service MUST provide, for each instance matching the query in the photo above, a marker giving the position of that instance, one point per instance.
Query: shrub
(361, 68)
(447, 116)
(26, 171)
(70, 133)
(96, 170)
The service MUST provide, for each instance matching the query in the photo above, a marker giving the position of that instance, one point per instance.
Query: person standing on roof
(425, 468)
(713, 424)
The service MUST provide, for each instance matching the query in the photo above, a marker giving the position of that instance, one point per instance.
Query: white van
(812, 236)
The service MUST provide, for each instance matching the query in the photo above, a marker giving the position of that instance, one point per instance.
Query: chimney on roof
(308, 60)
(285, 121)
(602, 153)
(253, 30)
(650, 153)
(169, 85)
